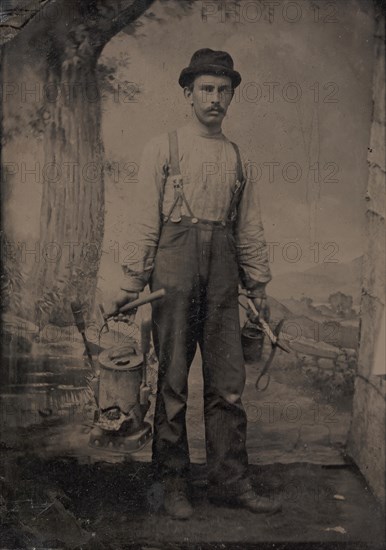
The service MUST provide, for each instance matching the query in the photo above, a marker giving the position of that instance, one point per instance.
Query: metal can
(120, 377)
(252, 339)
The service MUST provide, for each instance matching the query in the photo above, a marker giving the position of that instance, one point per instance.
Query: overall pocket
(173, 236)
(175, 260)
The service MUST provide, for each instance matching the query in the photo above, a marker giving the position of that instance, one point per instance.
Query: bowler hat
(207, 61)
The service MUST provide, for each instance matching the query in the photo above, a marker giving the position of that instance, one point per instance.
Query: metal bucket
(120, 378)
(252, 340)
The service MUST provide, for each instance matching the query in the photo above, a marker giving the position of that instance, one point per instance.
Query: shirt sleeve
(144, 214)
(252, 248)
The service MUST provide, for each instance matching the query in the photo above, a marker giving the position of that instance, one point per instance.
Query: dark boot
(176, 502)
(246, 498)
(256, 503)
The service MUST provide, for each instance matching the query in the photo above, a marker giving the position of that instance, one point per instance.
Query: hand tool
(266, 328)
(144, 391)
(273, 337)
(81, 326)
(136, 303)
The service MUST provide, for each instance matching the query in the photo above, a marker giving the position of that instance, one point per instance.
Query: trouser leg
(225, 418)
(224, 373)
(175, 346)
(175, 330)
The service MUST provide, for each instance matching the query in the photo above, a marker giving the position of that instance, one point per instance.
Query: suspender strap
(240, 184)
(239, 168)
(174, 156)
(175, 172)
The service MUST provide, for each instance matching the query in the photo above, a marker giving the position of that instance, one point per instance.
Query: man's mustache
(218, 109)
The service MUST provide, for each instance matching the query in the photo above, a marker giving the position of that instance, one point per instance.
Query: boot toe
(257, 504)
(177, 505)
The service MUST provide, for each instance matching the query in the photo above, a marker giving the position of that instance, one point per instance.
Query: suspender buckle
(177, 182)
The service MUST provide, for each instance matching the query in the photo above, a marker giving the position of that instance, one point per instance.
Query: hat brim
(189, 73)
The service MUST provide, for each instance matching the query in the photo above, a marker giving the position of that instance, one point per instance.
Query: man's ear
(188, 93)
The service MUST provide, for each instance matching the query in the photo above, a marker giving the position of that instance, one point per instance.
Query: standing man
(198, 233)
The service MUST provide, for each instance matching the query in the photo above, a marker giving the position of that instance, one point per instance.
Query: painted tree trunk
(72, 210)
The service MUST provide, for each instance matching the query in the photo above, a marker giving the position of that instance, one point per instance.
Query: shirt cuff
(257, 291)
(131, 284)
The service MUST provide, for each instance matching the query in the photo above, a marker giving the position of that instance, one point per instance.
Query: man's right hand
(122, 298)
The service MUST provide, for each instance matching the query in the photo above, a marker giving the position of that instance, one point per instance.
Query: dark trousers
(197, 265)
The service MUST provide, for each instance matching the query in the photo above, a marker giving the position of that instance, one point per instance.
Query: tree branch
(113, 16)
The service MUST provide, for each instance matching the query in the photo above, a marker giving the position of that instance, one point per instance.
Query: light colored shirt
(208, 165)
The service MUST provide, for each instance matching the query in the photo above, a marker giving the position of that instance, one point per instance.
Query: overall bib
(196, 263)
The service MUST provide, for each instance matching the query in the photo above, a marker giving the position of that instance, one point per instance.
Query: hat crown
(206, 56)
(207, 61)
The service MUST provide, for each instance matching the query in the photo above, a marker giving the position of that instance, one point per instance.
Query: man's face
(211, 96)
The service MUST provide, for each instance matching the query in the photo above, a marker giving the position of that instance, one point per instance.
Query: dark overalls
(196, 262)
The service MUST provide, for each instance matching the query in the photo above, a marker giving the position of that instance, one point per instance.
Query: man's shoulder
(162, 140)
(160, 143)
(240, 153)
(235, 145)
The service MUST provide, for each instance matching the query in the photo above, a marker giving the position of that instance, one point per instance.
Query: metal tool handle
(258, 385)
(77, 312)
(267, 329)
(138, 302)
(263, 323)
(145, 336)
(145, 346)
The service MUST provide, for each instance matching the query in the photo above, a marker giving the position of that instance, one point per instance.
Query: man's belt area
(192, 220)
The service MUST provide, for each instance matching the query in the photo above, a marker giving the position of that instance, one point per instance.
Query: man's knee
(216, 399)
